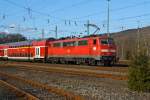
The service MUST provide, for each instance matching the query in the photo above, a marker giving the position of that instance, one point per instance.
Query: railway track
(122, 68)
(72, 71)
(90, 87)
(33, 90)
(19, 93)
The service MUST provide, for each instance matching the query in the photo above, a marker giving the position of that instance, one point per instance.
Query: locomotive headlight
(108, 50)
(68, 51)
(104, 50)
(94, 48)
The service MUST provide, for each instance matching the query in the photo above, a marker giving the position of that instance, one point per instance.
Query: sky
(30, 17)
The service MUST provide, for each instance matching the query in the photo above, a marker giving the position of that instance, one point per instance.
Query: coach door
(37, 52)
(5, 53)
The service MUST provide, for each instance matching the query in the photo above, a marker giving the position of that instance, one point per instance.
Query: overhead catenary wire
(81, 21)
(73, 20)
(114, 10)
(71, 6)
(38, 12)
(32, 10)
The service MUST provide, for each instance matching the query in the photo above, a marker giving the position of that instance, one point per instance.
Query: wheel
(78, 62)
(92, 62)
(107, 63)
(99, 63)
(62, 61)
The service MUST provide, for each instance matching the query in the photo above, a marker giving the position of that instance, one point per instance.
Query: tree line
(7, 38)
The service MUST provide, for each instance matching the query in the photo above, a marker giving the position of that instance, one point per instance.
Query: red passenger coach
(26, 50)
(3, 51)
(20, 50)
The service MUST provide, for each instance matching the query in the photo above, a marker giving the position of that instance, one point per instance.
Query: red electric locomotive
(90, 50)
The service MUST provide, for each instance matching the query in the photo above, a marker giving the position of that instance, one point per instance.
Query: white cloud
(6, 31)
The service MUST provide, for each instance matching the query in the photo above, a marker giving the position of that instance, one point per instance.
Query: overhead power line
(47, 14)
(32, 10)
(71, 6)
(128, 18)
(133, 17)
(65, 20)
(113, 10)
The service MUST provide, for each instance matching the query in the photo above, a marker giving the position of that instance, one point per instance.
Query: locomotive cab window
(107, 41)
(104, 41)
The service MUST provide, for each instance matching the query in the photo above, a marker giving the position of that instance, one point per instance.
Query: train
(91, 50)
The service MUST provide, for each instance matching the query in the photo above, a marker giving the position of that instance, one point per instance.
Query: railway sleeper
(17, 91)
(49, 89)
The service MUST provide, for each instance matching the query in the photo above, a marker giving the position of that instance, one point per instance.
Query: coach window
(37, 51)
(82, 43)
(94, 41)
(26, 55)
(31, 55)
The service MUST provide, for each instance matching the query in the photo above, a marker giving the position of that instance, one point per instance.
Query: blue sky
(46, 14)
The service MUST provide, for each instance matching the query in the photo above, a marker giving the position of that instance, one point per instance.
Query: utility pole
(122, 28)
(138, 36)
(43, 33)
(108, 17)
(19, 31)
(56, 30)
(29, 50)
(122, 46)
(88, 27)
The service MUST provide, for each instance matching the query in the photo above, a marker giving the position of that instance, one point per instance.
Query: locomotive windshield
(107, 41)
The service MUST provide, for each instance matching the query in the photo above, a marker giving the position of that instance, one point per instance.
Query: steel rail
(103, 68)
(50, 89)
(17, 91)
(71, 72)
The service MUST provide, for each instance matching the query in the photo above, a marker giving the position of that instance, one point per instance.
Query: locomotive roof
(77, 38)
